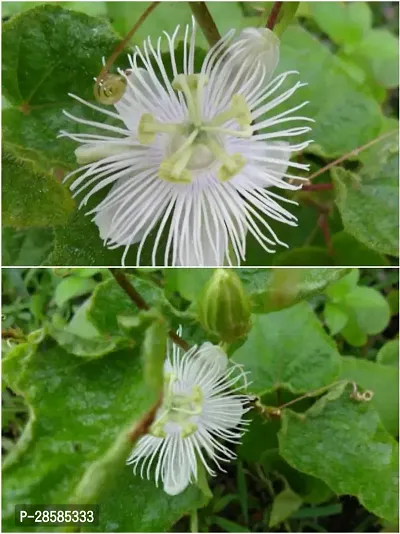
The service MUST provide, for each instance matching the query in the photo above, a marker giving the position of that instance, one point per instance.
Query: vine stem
(205, 21)
(194, 521)
(324, 225)
(272, 19)
(139, 301)
(313, 393)
(317, 187)
(352, 153)
(145, 423)
(124, 42)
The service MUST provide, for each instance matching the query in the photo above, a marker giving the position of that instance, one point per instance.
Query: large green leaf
(188, 282)
(368, 202)
(378, 54)
(49, 52)
(344, 23)
(71, 449)
(344, 443)
(383, 381)
(288, 349)
(109, 302)
(389, 353)
(349, 251)
(345, 117)
(279, 288)
(32, 198)
(140, 506)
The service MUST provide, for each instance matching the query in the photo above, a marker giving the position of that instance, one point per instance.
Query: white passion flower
(199, 409)
(196, 156)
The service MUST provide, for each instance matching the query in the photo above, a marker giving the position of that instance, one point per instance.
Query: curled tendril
(366, 396)
(110, 89)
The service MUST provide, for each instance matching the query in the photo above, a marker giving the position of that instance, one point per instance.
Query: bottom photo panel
(200, 400)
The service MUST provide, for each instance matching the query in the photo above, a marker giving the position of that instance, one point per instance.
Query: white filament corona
(194, 158)
(200, 409)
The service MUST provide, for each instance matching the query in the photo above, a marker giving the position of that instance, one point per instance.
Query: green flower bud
(224, 308)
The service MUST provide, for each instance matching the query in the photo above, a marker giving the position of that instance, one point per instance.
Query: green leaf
(344, 438)
(25, 247)
(349, 251)
(260, 439)
(80, 325)
(305, 256)
(279, 288)
(378, 54)
(306, 359)
(139, 505)
(73, 448)
(31, 198)
(71, 287)
(49, 52)
(79, 243)
(393, 301)
(389, 353)
(345, 117)
(109, 301)
(229, 526)
(338, 289)
(383, 380)
(369, 308)
(95, 347)
(284, 505)
(318, 511)
(344, 23)
(335, 318)
(188, 282)
(353, 334)
(368, 202)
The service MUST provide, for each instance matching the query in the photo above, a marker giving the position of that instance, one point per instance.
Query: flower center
(178, 408)
(198, 144)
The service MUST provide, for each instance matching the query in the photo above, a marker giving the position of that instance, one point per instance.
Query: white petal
(201, 237)
(251, 60)
(224, 412)
(130, 106)
(260, 46)
(104, 217)
(176, 468)
(207, 365)
(275, 160)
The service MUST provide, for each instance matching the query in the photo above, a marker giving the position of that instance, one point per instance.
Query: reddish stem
(274, 15)
(317, 187)
(125, 41)
(323, 224)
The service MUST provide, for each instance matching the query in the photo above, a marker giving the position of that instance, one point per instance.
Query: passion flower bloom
(194, 158)
(200, 409)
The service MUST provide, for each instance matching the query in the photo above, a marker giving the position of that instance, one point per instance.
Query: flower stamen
(149, 127)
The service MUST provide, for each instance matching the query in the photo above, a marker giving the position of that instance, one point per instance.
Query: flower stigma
(178, 409)
(196, 144)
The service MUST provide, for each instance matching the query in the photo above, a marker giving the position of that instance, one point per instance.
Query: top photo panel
(200, 133)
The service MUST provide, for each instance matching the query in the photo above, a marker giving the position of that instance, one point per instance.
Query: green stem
(205, 21)
(194, 521)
